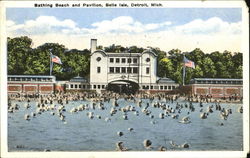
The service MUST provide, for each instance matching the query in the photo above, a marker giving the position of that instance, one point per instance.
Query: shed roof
(165, 80)
(78, 79)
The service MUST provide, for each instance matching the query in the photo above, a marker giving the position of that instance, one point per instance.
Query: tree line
(25, 60)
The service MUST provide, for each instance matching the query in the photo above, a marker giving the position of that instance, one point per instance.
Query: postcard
(124, 79)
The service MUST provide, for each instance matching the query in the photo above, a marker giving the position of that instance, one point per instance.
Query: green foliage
(18, 51)
(166, 67)
(214, 65)
(23, 59)
(114, 48)
(208, 67)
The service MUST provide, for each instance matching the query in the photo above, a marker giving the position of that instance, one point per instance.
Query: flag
(56, 59)
(188, 63)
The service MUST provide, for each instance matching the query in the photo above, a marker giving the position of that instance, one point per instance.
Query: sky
(210, 29)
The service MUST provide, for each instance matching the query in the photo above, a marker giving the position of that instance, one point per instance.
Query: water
(80, 133)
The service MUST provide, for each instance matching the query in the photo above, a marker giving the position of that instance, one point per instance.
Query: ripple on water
(82, 134)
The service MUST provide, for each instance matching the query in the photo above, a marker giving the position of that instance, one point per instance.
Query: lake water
(46, 131)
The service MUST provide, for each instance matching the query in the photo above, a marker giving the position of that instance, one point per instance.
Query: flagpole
(184, 71)
(51, 64)
(51, 69)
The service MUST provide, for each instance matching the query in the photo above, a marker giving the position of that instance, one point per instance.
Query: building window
(135, 70)
(148, 60)
(99, 86)
(129, 60)
(98, 59)
(71, 86)
(147, 70)
(117, 70)
(123, 60)
(80, 86)
(135, 60)
(151, 87)
(94, 86)
(111, 60)
(165, 87)
(143, 87)
(129, 70)
(173, 87)
(111, 70)
(83, 86)
(117, 60)
(169, 87)
(156, 87)
(123, 70)
(75, 85)
(103, 86)
(98, 69)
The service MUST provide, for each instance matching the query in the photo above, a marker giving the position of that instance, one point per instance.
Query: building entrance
(121, 86)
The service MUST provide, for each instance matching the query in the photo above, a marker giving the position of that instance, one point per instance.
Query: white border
(188, 154)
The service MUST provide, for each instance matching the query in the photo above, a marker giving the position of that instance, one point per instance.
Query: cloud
(10, 23)
(41, 25)
(50, 21)
(212, 25)
(50, 24)
(124, 24)
(212, 34)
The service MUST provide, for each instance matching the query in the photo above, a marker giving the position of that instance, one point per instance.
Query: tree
(178, 75)
(208, 68)
(221, 70)
(196, 56)
(166, 67)
(44, 53)
(176, 57)
(19, 49)
(197, 73)
(189, 74)
(228, 63)
(238, 63)
(135, 49)
(216, 56)
(23, 59)
(238, 72)
(78, 62)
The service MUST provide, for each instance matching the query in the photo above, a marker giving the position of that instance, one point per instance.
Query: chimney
(93, 45)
